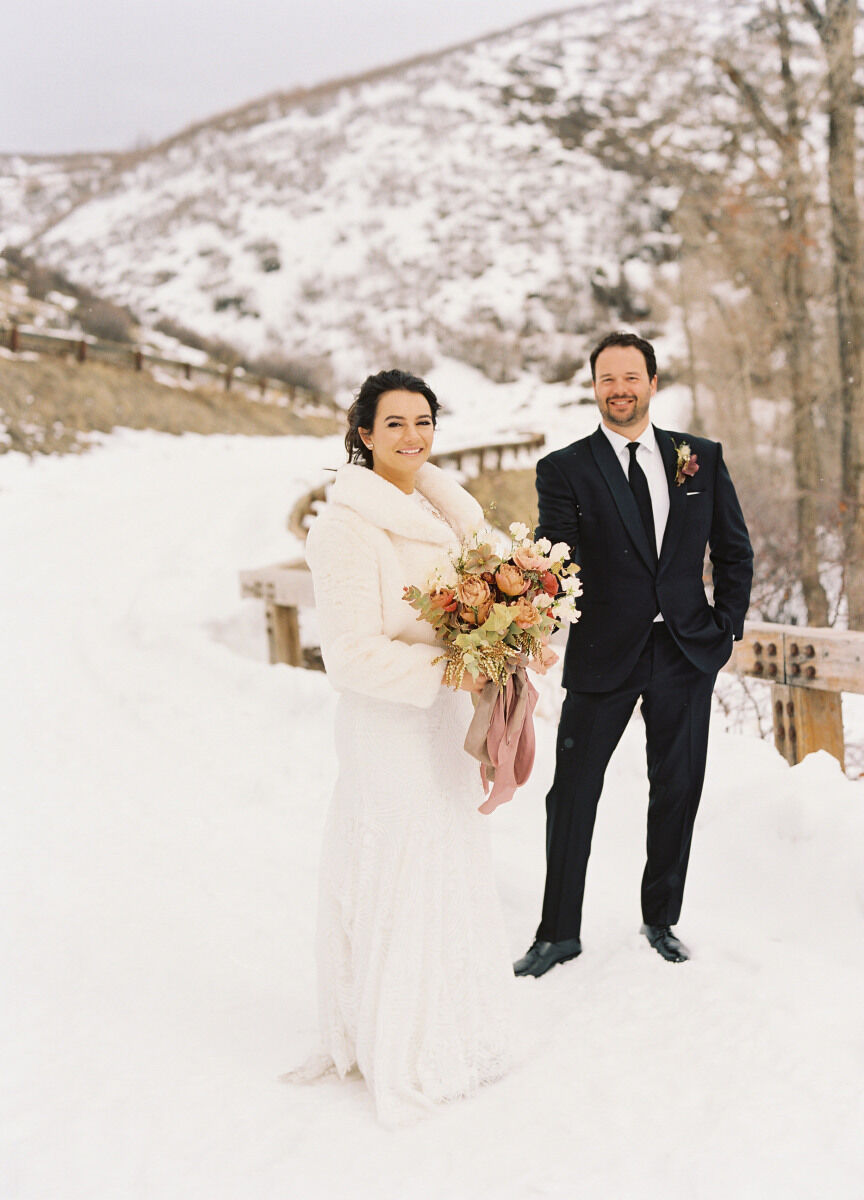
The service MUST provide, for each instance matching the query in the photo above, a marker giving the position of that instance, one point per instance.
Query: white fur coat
(369, 542)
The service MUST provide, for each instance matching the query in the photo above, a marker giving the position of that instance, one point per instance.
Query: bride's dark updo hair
(361, 414)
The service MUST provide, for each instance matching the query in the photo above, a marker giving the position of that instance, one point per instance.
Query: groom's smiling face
(623, 390)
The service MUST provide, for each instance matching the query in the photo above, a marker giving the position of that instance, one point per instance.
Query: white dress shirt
(651, 462)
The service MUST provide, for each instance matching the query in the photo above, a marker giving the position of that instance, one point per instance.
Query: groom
(637, 505)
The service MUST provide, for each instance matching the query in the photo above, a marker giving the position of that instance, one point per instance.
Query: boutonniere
(686, 464)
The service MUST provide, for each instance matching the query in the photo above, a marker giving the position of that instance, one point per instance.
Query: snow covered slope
(455, 207)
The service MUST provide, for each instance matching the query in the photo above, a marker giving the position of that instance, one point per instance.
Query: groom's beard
(629, 414)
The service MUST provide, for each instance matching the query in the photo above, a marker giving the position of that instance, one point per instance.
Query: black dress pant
(676, 706)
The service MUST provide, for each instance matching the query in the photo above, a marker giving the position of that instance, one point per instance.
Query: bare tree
(787, 135)
(835, 24)
(731, 130)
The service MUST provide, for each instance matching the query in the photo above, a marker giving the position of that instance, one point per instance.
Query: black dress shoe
(666, 943)
(544, 955)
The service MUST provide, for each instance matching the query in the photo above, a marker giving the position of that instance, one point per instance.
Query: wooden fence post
(806, 720)
(808, 670)
(26, 339)
(283, 635)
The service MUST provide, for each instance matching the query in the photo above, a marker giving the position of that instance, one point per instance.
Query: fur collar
(384, 505)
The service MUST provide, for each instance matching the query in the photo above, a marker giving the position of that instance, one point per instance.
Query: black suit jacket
(586, 501)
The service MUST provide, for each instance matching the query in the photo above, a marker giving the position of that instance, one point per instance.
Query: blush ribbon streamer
(501, 736)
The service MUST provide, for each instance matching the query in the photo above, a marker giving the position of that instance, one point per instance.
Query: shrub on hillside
(40, 279)
(311, 375)
(218, 350)
(39, 282)
(105, 320)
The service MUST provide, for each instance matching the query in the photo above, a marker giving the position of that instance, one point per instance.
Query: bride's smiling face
(401, 437)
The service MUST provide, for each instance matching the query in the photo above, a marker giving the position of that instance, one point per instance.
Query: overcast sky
(110, 74)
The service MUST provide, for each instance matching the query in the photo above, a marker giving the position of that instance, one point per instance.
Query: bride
(414, 974)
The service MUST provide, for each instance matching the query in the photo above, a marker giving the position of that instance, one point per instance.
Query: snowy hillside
(461, 206)
(499, 203)
(37, 192)
(164, 796)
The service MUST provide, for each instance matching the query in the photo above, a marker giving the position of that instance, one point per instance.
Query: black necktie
(639, 486)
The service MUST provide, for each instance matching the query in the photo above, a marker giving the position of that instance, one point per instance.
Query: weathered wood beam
(282, 583)
(830, 660)
(806, 720)
(283, 635)
(808, 669)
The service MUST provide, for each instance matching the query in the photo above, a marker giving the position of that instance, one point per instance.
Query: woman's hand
(470, 684)
(547, 659)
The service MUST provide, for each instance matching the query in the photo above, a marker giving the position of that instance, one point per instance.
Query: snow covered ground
(164, 791)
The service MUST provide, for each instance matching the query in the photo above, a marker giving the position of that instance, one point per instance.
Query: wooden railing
(123, 354)
(807, 669)
(471, 460)
(287, 587)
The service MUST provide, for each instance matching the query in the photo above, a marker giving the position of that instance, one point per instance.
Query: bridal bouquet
(494, 608)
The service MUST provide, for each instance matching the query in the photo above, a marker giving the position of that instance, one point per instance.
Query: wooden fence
(285, 588)
(471, 460)
(808, 670)
(19, 339)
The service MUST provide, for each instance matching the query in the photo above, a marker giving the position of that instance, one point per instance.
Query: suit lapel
(624, 499)
(675, 520)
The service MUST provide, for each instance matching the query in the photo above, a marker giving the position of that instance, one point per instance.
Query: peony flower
(530, 560)
(476, 616)
(511, 581)
(523, 613)
(473, 591)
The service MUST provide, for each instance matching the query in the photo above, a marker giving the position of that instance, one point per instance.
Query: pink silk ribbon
(501, 736)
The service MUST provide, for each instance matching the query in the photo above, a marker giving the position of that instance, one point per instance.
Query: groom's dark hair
(626, 339)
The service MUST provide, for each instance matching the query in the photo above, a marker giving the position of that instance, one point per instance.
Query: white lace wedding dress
(414, 974)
